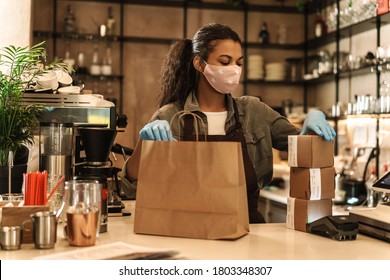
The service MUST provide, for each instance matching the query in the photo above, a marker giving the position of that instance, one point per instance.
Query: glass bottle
(67, 58)
(371, 195)
(264, 34)
(81, 68)
(95, 68)
(107, 62)
(320, 28)
(110, 22)
(70, 20)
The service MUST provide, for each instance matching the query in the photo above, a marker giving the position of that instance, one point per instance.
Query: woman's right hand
(157, 130)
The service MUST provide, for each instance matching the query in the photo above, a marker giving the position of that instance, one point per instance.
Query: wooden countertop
(265, 241)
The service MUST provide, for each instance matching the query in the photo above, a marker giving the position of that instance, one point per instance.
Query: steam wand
(10, 165)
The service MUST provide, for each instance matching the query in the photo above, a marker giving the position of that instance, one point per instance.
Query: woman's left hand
(316, 122)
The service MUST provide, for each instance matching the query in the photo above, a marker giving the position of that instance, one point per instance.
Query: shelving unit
(375, 23)
(142, 48)
(56, 35)
(248, 8)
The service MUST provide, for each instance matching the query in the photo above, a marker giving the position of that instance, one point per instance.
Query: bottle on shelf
(70, 20)
(264, 34)
(107, 62)
(81, 69)
(110, 22)
(95, 68)
(67, 58)
(320, 28)
(371, 195)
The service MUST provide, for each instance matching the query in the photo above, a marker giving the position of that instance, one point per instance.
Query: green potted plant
(19, 69)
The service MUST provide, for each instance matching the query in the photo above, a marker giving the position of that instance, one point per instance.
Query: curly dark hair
(178, 76)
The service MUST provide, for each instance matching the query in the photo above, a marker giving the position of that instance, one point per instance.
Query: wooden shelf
(274, 83)
(216, 6)
(203, 5)
(97, 37)
(75, 36)
(274, 46)
(89, 77)
(330, 77)
(149, 40)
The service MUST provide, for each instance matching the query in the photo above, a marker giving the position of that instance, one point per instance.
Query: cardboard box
(382, 6)
(310, 151)
(312, 183)
(301, 212)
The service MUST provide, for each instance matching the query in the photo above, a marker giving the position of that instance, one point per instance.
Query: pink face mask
(223, 79)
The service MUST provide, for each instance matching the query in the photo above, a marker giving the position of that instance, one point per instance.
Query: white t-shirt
(216, 122)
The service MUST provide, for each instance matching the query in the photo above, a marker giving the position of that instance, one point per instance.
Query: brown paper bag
(192, 189)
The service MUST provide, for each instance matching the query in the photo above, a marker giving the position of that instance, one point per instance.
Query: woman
(198, 75)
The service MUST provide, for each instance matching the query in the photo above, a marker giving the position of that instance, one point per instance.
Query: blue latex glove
(316, 122)
(157, 130)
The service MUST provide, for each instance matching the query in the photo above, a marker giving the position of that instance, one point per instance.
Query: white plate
(69, 90)
(65, 79)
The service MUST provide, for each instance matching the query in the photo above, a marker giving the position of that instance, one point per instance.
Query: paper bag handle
(180, 114)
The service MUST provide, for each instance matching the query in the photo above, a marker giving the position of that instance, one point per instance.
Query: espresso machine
(91, 114)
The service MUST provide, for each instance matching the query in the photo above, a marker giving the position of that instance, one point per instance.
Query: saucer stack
(275, 71)
(255, 67)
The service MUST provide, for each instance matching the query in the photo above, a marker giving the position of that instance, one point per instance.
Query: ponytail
(178, 76)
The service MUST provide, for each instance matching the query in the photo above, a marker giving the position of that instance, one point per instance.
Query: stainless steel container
(10, 237)
(44, 229)
(55, 148)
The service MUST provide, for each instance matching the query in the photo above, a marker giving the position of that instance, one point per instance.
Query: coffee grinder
(95, 143)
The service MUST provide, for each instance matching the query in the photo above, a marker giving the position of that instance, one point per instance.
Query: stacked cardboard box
(312, 180)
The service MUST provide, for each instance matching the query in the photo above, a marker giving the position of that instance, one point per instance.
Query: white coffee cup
(48, 80)
(64, 79)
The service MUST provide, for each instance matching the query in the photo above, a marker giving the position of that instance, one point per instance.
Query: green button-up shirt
(263, 128)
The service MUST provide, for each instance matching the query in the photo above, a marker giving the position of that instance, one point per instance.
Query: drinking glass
(83, 206)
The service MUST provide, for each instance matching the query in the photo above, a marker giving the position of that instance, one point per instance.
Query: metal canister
(44, 229)
(10, 237)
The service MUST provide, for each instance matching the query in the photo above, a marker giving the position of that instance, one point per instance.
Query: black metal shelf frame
(274, 46)
(347, 74)
(100, 77)
(340, 33)
(185, 5)
(348, 31)
(274, 83)
(201, 5)
(149, 40)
